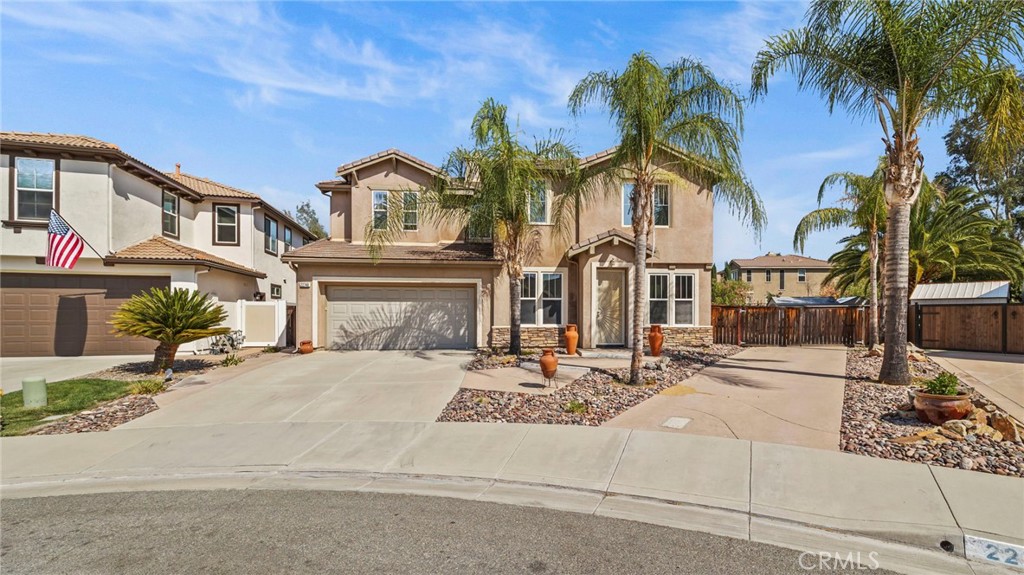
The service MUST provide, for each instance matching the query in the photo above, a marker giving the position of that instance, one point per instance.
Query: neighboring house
(775, 274)
(964, 293)
(440, 286)
(150, 229)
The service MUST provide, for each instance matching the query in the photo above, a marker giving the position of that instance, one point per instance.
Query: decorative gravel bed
(139, 370)
(590, 400)
(874, 425)
(102, 417)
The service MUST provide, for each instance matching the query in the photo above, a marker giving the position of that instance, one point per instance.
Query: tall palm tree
(682, 107)
(906, 63)
(171, 317)
(862, 206)
(495, 189)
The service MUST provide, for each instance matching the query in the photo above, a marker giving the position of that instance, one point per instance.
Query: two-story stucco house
(442, 287)
(145, 228)
(775, 274)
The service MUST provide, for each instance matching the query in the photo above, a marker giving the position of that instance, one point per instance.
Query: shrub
(943, 384)
(575, 406)
(146, 387)
(231, 359)
(271, 349)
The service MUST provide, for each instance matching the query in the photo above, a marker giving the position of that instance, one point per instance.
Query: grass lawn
(68, 396)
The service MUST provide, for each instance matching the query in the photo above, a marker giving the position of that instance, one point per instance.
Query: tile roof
(159, 249)
(999, 290)
(208, 187)
(337, 249)
(601, 238)
(45, 139)
(392, 152)
(780, 261)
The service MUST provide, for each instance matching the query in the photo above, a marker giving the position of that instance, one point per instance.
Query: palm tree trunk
(163, 358)
(873, 321)
(895, 369)
(639, 304)
(515, 331)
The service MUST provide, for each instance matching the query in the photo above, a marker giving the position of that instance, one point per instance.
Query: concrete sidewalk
(15, 369)
(783, 495)
(998, 376)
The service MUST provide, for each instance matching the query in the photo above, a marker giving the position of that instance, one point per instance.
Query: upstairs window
(541, 300)
(750, 276)
(801, 275)
(380, 210)
(768, 276)
(538, 204)
(36, 188)
(627, 204)
(288, 245)
(660, 204)
(169, 223)
(225, 224)
(410, 211)
(270, 235)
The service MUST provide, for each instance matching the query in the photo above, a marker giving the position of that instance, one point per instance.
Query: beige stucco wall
(138, 211)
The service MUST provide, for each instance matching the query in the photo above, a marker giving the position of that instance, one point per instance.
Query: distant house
(964, 293)
(774, 275)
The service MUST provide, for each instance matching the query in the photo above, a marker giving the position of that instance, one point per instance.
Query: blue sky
(273, 97)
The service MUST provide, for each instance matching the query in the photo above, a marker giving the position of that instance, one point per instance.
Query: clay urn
(306, 346)
(938, 409)
(656, 338)
(548, 363)
(572, 337)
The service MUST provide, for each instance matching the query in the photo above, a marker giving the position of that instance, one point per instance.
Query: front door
(610, 304)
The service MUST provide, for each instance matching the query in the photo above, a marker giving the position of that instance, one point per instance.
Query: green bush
(576, 407)
(271, 349)
(231, 359)
(147, 387)
(943, 384)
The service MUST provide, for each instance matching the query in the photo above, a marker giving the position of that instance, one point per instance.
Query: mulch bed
(598, 396)
(102, 417)
(142, 370)
(871, 421)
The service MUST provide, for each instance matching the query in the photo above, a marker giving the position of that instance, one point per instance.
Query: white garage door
(415, 317)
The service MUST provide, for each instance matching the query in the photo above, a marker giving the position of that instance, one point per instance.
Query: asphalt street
(249, 532)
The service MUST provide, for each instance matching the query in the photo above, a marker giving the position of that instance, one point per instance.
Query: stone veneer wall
(677, 336)
(533, 337)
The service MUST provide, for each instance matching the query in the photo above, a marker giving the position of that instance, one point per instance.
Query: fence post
(739, 326)
(918, 325)
(1005, 334)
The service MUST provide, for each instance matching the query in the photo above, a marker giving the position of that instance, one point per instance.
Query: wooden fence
(989, 327)
(767, 325)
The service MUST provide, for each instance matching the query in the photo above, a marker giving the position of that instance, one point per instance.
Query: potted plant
(941, 400)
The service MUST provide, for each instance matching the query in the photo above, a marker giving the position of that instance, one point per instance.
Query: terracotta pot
(549, 363)
(572, 337)
(306, 346)
(656, 338)
(938, 409)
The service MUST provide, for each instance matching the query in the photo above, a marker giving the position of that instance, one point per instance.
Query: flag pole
(80, 236)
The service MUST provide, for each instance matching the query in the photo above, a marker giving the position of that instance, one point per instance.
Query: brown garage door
(66, 314)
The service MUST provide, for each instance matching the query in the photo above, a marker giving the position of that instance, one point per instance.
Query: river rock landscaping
(879, 421)
(590, 400)
(102, 417)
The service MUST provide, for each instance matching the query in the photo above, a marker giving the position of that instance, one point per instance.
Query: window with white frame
(627, 204)
(671, 299)
(380, 210)
(275, 291)
(538, 204)
(225, 224)
(288, 245)
(660, 197)
(270, 235)
(36, 185)
(768, 275)
(542, 298)
(410, 211)
(801, 275)
(169, 223)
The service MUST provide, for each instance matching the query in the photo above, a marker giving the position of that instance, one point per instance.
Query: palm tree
(953, 237)
(171, 317)
(862, 206)
(906, 63)
(495, 189)
(681, 107)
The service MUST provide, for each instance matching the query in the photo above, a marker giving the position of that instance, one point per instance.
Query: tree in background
(681, 107)
(907, 63)
(170, 317)
(729, 292)
(306, 215)
(862, 206)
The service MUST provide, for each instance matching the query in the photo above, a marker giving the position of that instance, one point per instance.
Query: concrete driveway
(14, 369)
(998, 376)
(326, 386)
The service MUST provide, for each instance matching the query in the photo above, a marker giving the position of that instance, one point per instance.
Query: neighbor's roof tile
(162, 249)
(778, 261)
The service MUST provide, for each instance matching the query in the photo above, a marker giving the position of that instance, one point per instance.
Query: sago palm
(862, 206)
(907, 63)
(496, 189)
(682, 107)
(171, 317)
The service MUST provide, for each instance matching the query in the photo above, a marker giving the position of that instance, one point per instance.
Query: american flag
(64, 246)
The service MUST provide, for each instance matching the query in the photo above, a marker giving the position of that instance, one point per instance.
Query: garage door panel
(407, 317)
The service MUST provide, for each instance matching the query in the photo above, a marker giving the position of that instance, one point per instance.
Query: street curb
(743, 525)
